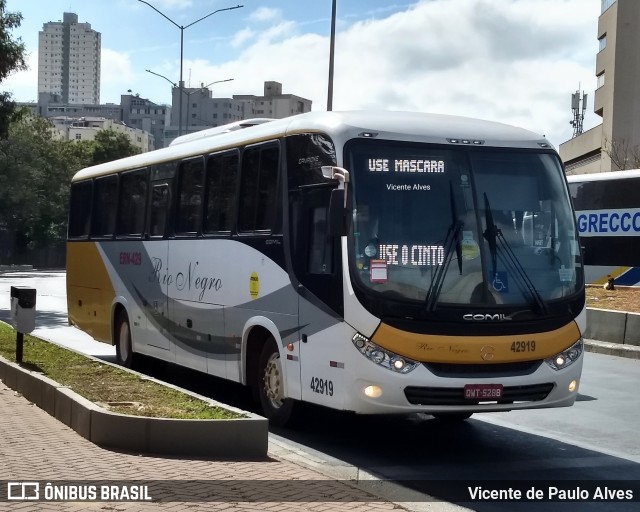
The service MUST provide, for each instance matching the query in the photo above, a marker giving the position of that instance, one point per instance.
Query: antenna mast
(578, 107)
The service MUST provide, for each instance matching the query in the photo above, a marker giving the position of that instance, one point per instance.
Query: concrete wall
(613, 326)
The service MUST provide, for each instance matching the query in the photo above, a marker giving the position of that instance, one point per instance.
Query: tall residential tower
(614, 144)
(69, 60)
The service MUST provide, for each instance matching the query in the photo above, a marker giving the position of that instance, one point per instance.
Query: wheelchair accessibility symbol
(500, 282)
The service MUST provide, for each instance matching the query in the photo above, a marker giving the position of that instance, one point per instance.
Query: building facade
(146, 115)
(200, 110)
(86, 128)
(69, 61)
(51, 105)
(614, 144)
(274, 104)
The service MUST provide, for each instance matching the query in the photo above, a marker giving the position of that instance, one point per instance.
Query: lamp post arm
(161, 13)
(217, 82)
(210, 14)
(161, 76)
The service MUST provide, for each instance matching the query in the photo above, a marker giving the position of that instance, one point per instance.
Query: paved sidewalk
(36, 447)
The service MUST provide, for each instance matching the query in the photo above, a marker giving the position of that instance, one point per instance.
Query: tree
(35, 174)
(12, 55)
(623, 155)
(111, 145)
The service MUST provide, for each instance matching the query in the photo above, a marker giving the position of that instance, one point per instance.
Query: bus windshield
(461, 225)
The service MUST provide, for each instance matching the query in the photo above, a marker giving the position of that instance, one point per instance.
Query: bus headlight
(383, 357)
(566, 357)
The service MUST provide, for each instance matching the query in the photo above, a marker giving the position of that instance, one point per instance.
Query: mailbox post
(23, 314)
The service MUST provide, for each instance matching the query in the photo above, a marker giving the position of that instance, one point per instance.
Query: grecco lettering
(608, 222)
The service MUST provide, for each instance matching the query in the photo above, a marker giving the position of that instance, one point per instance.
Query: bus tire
(452, 417)
(270, 384)
(124, 348)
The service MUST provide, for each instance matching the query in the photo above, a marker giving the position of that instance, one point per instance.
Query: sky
(512, 61)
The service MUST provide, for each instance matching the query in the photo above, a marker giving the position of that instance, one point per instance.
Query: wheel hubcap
(272, 381)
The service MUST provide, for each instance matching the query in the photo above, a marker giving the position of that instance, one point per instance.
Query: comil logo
(23, 491)
(480, 317)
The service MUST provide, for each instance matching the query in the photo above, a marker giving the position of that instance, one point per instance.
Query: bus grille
(483, 370)
(418, 395)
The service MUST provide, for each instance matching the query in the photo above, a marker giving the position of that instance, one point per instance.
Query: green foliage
(12, 58)
(35, 172)
(36, 167)
(111, 145)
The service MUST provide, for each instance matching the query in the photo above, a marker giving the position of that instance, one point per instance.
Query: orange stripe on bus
(476, 349)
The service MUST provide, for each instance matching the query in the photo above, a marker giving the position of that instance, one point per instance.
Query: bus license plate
(483, 391)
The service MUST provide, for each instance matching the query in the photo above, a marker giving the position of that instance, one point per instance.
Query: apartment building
(273, 103)
(200, 110)
(144, 114)
(69, 60)
(86, 128)
(614, 144)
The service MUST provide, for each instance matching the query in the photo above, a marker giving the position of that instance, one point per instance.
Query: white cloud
(515, 62)
(241, 37)
(115, 75)
(25, 83)
(265, 15)
(171, 4)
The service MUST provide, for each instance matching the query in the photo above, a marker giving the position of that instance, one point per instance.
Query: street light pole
(331, 55)
(182, 29)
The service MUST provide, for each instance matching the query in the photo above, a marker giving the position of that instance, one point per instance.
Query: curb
(245, 438)
(612, 349)
(15, 268)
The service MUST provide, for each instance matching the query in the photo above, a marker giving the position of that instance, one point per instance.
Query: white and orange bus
(370, 262)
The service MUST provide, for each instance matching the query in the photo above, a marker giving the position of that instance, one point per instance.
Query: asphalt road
(594, 443)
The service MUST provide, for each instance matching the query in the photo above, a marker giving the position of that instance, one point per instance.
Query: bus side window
(132, 203)
(80, 209)
(258, 188)
(160, 203)
(105, 203)
(190, 196)
(320, 243)
(220, 189)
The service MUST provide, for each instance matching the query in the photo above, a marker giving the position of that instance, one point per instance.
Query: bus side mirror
(337, 213)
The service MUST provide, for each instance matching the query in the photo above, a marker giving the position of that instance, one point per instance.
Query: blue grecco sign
(624, 222)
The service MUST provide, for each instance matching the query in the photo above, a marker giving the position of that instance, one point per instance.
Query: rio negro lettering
(187, 280)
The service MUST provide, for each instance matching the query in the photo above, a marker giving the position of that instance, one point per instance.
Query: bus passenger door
(154, 289)
(319, 270)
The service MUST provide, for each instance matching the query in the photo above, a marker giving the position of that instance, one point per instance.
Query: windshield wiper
(494, 235)
(452, 237)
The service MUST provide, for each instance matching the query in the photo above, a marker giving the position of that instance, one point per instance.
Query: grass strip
(110, 387)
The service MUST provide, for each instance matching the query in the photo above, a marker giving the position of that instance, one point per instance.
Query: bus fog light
(373, 391)
(383, 357)
(566, 357)
(573, 385)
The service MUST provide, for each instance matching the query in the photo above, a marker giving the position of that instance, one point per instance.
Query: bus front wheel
(124, 350)
(276, 408)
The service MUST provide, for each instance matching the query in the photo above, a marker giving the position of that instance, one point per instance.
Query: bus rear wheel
(276, 408)
(124, 350)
